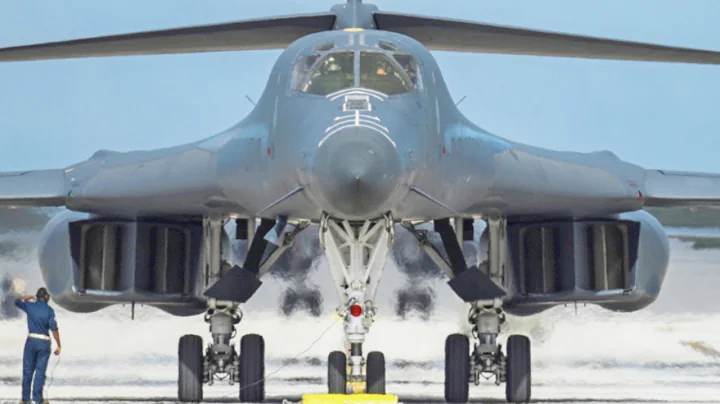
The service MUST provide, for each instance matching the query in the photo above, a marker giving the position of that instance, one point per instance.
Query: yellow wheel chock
(349, 399)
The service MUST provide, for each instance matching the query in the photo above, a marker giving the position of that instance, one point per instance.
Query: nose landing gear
(356, 253)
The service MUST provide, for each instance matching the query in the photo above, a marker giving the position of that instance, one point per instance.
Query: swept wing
(467, 36)
(679, 188)
(266, 33)
(32, 188)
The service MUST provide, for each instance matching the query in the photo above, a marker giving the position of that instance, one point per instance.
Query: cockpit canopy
(388, 73)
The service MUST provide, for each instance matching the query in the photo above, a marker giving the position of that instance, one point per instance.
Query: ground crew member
(41, 320)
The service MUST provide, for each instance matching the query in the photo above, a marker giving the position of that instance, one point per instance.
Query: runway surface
(666, 353)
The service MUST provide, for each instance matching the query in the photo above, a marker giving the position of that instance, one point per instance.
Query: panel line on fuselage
(357, 91)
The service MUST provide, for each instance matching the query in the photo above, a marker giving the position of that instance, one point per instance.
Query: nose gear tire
(375, 371)
(337, 372)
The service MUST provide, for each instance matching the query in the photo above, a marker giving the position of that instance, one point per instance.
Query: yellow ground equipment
(349, 399)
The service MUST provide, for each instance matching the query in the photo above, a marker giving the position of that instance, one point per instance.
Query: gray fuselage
(354, 153)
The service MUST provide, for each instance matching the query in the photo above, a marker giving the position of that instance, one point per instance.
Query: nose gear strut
(356, 253)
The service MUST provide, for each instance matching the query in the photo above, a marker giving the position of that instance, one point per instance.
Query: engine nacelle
(89, 263)
(617, 263)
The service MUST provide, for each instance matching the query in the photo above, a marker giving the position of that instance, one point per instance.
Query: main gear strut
(484, 288)
(487, 359)
(221, 360)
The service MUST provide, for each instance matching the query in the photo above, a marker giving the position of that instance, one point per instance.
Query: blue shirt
(40, 316)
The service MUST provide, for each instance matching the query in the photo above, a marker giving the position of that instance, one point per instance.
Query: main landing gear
(487, 360)
(228, 288)
(356, 252)
(220, 361)
(484, 289)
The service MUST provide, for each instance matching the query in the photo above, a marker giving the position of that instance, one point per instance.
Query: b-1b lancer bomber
(355, 135)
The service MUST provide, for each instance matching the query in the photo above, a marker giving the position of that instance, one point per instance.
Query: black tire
(252, 368)
(518, 381)
(337, 373)
(375, 370)
(457, 368)
(190, 369)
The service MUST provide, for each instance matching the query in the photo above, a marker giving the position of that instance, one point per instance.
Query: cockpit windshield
(387, 73)
(379, 72)
(410, 68)
(332, 73)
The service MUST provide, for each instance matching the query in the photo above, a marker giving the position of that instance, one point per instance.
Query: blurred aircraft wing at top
(32, 188)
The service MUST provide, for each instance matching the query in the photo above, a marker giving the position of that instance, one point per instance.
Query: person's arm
(21, 304)
(56, 334)
(55, 331)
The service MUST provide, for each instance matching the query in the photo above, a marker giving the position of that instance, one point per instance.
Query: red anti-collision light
(356, 310)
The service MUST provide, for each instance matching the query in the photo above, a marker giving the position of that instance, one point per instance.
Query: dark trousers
(35, 361)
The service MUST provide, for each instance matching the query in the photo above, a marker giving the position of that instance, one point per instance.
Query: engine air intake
(141, 257)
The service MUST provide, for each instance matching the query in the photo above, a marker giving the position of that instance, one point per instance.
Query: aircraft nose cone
(356, 171)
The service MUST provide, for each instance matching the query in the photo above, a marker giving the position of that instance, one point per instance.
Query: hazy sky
(55, 113)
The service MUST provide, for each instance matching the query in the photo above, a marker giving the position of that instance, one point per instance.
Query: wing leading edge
(258, 34)
(467, 36)
(665, 188)
(32, 188)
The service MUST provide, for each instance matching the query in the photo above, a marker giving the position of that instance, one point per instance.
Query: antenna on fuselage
(250, 99)
(461, 100)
